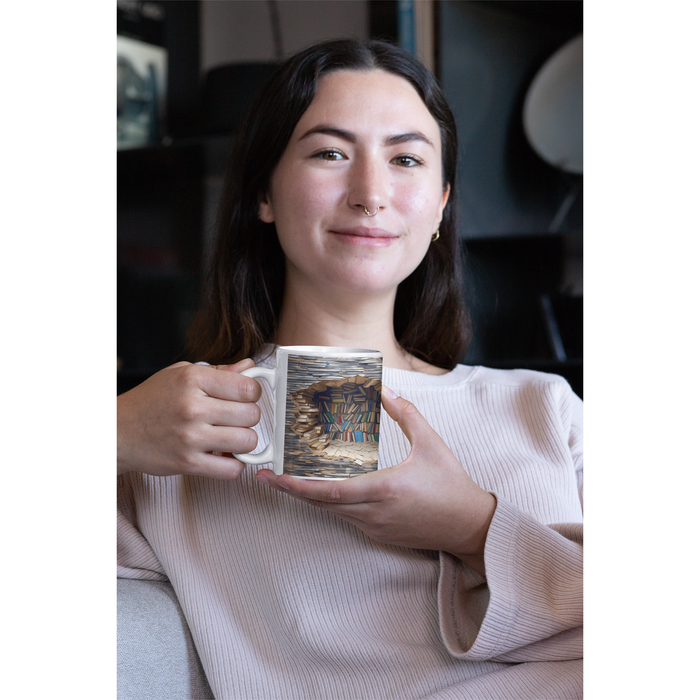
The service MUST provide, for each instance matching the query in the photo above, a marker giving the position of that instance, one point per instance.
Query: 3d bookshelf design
(332, 423)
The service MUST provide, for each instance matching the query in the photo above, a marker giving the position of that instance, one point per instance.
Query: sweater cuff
(534, 589)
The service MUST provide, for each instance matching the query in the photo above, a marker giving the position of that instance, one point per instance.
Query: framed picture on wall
(142, 64)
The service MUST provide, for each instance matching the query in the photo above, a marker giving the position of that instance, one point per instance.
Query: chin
(353, 285)
(356, 276)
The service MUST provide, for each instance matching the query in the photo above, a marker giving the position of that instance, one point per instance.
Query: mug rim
(328, 350)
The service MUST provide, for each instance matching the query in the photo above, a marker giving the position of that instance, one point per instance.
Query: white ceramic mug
(327, 407)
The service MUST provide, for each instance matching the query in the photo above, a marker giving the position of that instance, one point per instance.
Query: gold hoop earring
(435, 236)
(376, 211)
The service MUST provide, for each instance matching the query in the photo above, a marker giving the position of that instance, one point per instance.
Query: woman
(454, 573)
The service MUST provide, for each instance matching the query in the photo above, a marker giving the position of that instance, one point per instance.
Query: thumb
(409, 418)
(240, 366)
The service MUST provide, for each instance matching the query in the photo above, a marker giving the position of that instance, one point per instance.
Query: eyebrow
(330, 130)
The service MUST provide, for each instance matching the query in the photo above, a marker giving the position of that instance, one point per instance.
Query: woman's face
(366, 140)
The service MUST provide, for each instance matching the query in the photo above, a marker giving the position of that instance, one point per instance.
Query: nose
(368, 186)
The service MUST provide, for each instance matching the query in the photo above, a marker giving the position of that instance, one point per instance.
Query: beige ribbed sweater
(285, 600)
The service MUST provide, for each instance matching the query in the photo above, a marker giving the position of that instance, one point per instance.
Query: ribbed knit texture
(287, 601)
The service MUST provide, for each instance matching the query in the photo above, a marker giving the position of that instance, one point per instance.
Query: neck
(340, 318)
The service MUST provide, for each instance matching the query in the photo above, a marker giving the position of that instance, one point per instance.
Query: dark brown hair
(245, 286)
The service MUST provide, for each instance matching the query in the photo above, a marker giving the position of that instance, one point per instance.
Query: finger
(229, 414)
(409, 418)
(228, 385)
(269, 478)
(231, 440)
(215, 466)
(366, 488)
(239, 366)
(352, 512)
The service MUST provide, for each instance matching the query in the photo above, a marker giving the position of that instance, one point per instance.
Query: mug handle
(267, 455)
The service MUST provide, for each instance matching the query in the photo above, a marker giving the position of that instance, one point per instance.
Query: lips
(364, 232)
(364, 237)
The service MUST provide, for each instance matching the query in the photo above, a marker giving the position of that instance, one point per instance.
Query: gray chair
(156, 657)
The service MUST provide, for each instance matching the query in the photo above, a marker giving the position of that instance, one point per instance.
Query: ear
(265, 213)
(443, 204)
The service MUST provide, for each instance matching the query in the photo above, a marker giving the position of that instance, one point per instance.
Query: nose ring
(375, 211)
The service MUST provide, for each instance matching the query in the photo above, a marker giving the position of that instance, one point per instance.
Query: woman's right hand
(174, 421)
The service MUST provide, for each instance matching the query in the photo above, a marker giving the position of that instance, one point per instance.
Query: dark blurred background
(188, 69)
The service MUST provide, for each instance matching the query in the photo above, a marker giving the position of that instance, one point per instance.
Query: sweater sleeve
(135, 557)
(530, 605)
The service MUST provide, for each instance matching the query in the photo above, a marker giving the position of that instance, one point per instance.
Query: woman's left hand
(426, 502)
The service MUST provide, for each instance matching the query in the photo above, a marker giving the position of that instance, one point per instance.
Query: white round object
(553, 110)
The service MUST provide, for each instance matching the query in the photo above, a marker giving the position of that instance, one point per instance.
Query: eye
(408, 161)
(330, 154)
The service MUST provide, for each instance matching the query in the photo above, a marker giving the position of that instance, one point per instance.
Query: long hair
(245, 284)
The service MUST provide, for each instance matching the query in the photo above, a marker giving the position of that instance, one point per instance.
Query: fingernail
(386, 390)
(282, 485)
